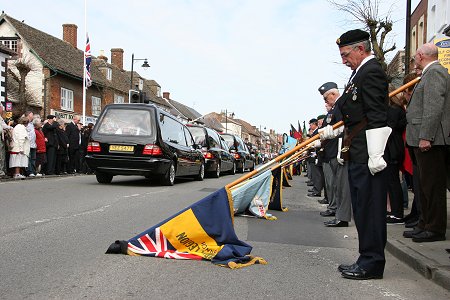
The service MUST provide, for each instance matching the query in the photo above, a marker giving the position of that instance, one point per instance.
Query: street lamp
(145, 65)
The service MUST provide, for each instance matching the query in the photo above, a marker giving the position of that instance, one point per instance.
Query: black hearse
(142, 139)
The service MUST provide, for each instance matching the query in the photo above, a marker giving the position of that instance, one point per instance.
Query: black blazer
(62, 141)
(365, 96)
(73, 133)
(49, 131)
(395, 148)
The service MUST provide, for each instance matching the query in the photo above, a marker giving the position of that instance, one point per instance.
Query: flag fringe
(254, 260)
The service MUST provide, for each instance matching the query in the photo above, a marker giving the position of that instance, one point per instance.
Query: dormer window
(108, 73)
(10, 43)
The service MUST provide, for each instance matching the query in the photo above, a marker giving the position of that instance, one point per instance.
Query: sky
(263, 60)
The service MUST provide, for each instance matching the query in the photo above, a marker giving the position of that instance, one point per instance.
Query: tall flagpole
(84, 66)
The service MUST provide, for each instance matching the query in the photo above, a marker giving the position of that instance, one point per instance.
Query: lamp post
(145, 65)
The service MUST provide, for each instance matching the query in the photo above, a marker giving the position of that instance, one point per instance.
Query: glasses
(345, 54)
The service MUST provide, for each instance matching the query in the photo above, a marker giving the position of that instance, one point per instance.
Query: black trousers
(395, 190)
(369, 193)
(51, 161)
(74, 160)
(433, 171)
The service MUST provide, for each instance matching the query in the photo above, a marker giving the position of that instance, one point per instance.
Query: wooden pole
(304, 143)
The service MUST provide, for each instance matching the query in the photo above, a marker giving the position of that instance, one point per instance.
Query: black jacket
(365, 96)
(49, 131)
(331, 146)
(395, 148)
(73, 133)
(63, 140)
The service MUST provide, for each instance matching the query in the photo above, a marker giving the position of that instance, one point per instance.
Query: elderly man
(74, 135)
(428, 132)
(334, 168)
(364, 106)
(3, 127)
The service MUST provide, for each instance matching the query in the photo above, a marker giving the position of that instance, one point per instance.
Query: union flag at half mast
(87, 58)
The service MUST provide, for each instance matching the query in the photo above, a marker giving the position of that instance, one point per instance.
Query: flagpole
(84, 66)
(308, 141)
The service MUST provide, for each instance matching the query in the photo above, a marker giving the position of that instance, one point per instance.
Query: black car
(141, 139)
(217, 156)
(244, 159)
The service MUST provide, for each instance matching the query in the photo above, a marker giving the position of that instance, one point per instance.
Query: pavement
(431, 260)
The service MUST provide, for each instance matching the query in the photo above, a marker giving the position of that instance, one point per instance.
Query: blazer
(428, 110)
(49, 131)
(73, 133)
(365, 96)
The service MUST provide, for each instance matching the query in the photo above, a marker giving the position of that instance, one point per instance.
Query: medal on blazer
(350, 87)
(354, 93)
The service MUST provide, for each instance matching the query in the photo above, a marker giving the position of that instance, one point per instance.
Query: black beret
(312, 121)
(326, 87)
(50, 116)
(352, 37)
(321, 117)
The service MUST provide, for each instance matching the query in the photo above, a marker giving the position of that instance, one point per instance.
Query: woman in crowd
(62, 154)
(20, 149)
(40, 143)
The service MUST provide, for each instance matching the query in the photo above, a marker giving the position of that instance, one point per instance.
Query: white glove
(339, 159)
(328, 133)
(376, 142)
(317, 144)
(316, 161)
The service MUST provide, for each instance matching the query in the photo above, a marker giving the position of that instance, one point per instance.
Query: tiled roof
(188, 112)
(247, 127)
(55, 52)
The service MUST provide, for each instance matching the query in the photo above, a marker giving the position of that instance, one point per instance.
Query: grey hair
(61, 122)
(429, 49)
(333, 90)
(36, 121)
(366, 45)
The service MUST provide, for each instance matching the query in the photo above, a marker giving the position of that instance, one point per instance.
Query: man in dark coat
(73, 133)
(364, 105)
(51, 143)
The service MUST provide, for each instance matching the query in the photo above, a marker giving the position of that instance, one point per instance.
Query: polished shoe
(327, 213)
(409, 234)
(314, 195)
(359, 273)
(323, 201)
(390, 219)
(336, 223)
(343, 268)
(411, 224)
(310, 184)
(427, 236)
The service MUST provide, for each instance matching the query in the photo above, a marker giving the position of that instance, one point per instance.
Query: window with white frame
(96, 105)
(119, 99)
(66, 99)
(108, 73)
(11, 44)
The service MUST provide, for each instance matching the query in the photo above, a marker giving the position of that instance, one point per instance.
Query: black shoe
(390, 219)
(409, 234)
(314, 195)
(411, 224)
(327, 213)
(359, 273)
(336, 223)
(312, 190)
(427, 236)
(343, 268)
(323, 201)
(310, 184)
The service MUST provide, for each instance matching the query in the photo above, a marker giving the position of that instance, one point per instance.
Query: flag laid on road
(253, 196)
(202, 231)
(276, 198)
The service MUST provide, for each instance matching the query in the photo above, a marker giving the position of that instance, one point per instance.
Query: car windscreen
(230, 141)
(127, 122)
(241, 145)
(199, 135)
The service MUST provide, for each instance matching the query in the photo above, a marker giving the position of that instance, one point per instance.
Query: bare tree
(366, 12)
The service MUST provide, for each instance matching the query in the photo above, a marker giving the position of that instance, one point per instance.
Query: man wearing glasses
(364, 105)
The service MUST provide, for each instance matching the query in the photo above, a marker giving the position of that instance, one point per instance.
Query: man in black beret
(364, 108)
(316, 177)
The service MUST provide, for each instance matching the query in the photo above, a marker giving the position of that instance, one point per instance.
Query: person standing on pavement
(316, 177)
(40, 146)
(428, 132)
(62, 155)
(3, 128)
(74, 135)
(364, 105)
(20, 149)
(49, 130)
(31, 169)
(335, 169)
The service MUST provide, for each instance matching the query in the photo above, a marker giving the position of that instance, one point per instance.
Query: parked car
(244, 159)
(218, 157)
(141, 139)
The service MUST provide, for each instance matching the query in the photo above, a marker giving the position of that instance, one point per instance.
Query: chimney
(166, 95)
(102, 56)
(117, 57)
(70, 34)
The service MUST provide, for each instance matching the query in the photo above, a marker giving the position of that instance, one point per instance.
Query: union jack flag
(158, 247)
(87, 57)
